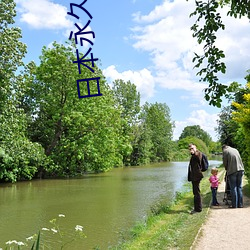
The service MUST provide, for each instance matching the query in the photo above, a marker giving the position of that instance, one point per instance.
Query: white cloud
(143, 79)
(165, 33)
(208, 122)
(234, 41)
(44, 14)
(48, 15)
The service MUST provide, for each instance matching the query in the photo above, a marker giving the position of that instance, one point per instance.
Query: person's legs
(239, 188)
(233, 188)
(197, 196)
(214, 196)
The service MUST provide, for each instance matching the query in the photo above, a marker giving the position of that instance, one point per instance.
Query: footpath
(225, 228)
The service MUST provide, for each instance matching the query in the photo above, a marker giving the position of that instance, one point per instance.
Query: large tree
(128, 100)
(78, 134)
(12, 51)
(157, 122)
(205, 29)
(241, 115)
(19, 157)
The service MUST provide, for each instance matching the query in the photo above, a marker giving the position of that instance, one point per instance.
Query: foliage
(215, 148)
(242, 116)
(227, 127)
(196, 131)
(21, 158)
(142, 145)
(79, 135)
(205, 28)
(201, 146)
(233, 123)
(128, 100)
(156, 120)
(12, 50)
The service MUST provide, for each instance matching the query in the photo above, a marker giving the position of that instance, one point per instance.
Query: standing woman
(195, 175)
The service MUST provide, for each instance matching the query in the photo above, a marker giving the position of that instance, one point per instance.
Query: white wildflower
(78, 228)
(54, 230)
(45, 229)
(61, 215)
(29, 238)
(20, 243)
(10, 242)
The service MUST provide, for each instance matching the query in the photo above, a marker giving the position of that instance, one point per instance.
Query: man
(195, 175)
(235, 170)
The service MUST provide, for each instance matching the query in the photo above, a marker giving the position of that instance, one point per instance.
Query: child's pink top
(214, 181)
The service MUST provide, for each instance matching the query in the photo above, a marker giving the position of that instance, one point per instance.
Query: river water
(104, 204)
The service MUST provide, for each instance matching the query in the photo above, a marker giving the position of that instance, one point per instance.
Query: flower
(45, 229)
(54, 230)
(29, 238)
(20, 243)
(10, 242)
(78, 228)
(61, 215)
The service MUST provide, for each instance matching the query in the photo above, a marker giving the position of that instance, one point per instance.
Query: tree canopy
(205, 29)
(196, 131)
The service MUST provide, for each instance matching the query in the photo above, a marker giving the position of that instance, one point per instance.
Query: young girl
(214, 185)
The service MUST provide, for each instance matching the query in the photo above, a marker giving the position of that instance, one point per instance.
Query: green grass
(170, 226)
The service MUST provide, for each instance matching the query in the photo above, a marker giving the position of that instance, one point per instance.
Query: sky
(146, 42)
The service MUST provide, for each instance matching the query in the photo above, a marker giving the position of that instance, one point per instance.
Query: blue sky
(148, 42)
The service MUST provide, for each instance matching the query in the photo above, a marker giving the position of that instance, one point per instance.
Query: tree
(20, 158)
(229, 130)
(242, 116)
(157, 121)
(208, 23)
(227, 127)
(142, 145)
(196, 131)
(128, 100)
(12, 50)
(183, 144)
(79, 135)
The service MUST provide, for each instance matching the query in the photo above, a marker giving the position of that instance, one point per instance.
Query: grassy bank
(170, 227)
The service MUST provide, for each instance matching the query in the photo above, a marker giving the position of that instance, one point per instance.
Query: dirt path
(225, 228)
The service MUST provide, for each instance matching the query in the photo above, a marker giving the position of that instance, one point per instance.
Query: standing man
(235, 170)
(195, 175)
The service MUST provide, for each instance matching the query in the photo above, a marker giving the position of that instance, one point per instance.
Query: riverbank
(172, 227)
(175, 228)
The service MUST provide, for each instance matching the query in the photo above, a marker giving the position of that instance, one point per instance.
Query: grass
(170, 226)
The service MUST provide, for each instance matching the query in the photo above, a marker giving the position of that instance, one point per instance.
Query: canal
(106, 204)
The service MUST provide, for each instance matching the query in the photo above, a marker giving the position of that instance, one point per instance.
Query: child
(214, 185)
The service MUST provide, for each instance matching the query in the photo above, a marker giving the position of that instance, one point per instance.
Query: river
(104, 204)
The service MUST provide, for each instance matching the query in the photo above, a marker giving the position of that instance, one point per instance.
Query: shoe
(194, 212)
(217, 204)
(231, 207)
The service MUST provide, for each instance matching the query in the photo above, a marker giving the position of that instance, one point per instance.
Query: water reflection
(105, 204)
